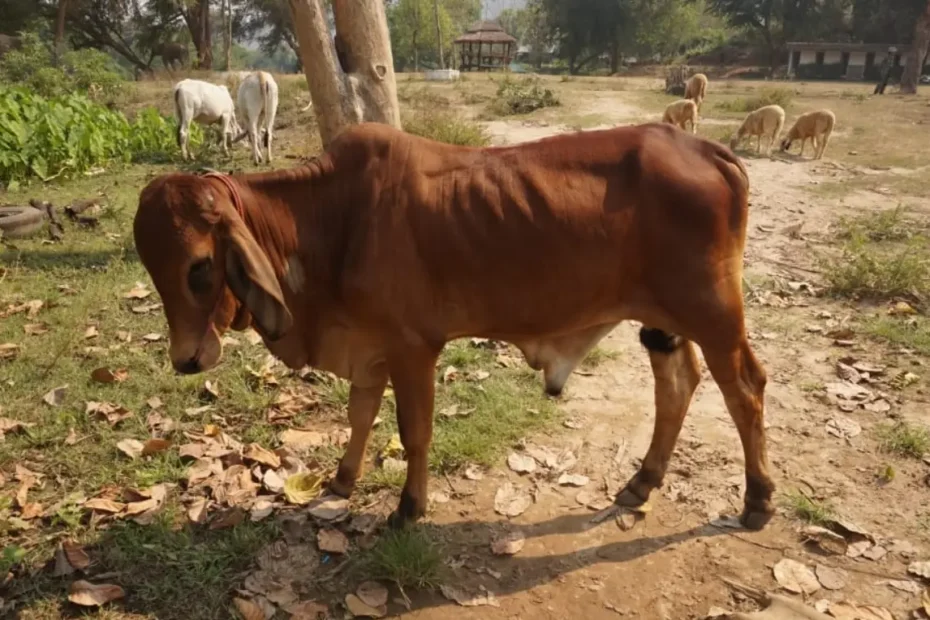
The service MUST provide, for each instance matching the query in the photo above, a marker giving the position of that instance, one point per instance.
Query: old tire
(18, 222)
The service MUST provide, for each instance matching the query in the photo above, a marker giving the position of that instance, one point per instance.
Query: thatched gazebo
(485, 47)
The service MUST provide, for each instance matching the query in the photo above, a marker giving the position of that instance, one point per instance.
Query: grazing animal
(696, 89)
(367, 261)
(817, 126)
(9, 43)
(680, 113)
(257, 97)
(766, 121)
(173, 55)
(206, 103)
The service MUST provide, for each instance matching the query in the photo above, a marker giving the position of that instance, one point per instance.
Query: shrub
(870, 270)
(522, 96)
(153, 136)
(88, 71)
(445, 127)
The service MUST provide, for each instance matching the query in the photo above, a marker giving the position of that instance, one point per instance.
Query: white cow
(206, 103)
(258, 95)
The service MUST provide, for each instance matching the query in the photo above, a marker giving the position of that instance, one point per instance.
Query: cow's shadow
(162, 565)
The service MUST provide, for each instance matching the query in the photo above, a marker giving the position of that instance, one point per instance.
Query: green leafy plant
(46, 138)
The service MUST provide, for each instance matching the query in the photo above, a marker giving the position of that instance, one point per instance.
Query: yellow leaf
(249, 610)
(303, 487)
(393, 449)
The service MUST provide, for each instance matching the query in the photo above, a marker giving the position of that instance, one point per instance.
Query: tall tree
(61, 15)
(364, 88)
(196, 14)
(913, 66)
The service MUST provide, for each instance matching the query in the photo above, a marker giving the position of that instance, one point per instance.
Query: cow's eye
(200, 277)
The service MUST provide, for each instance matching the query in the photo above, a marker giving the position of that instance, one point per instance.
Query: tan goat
(766, 121)
(696, 89)
(680, 112)
(814, 125)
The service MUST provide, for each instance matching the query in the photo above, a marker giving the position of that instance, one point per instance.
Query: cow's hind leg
(676, 372)
(742, 380)
(364, 403)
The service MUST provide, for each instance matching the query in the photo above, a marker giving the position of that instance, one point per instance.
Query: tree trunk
(367, 91)
(197, 18)
(60, 28)
(912, 65)
(442, 62)
(414, 36)
(227, 31)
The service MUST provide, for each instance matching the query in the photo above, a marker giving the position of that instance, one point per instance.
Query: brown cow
(367, 261)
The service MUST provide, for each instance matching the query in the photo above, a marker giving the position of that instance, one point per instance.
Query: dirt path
(671, 563)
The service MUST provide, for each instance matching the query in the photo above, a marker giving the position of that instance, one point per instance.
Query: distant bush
(445, 127)
(768, 96)
(87, 71)
(522, 96)
(68, 135)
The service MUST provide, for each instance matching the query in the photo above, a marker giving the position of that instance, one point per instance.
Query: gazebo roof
(485, 32)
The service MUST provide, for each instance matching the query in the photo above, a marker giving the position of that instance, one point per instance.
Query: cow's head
(206, 265)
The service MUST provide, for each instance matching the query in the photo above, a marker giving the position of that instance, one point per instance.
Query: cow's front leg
(412, 375)
(364, 403)
(676, 371)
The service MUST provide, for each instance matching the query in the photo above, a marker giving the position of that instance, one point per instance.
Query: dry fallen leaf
(105, 375)
(828, 541)
(372, 594)
(145, 308)
(301, 441)
(332, 541)
(272, 481)
(328, 508)
(35, 329)
(89, 594)
(848, 611)
(91, 332)
(113, 414)
(12, 426)
(130, 447)
(154, 446)
(843, 427)
(453, 411)
(451, 373)
(359, 609)
(210, 391)
(99, 504)
(831, 578)
(8, 350)
(255, 452)
(197, 511)
(139, 291)
(261, 509)
(55, 396)
(473, 472)
(75, 555)
(795, 577)
(229, 518)
(925, 601)
(301, 488)
(573, 480)
(31, 511)
(307, 610)
(509, 544)
(511, 502)
(249, 609)
(920, 569)
(466, 599)
(521, 463)
(904, 585)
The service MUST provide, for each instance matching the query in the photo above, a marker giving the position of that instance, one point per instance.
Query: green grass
(913, 332)
(768, 96)
(408, 557)
(904, 439)
(806, 509)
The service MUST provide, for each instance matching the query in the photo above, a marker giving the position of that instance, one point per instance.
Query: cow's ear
(251, 278)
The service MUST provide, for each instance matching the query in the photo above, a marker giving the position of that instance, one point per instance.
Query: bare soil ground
(830, 455)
